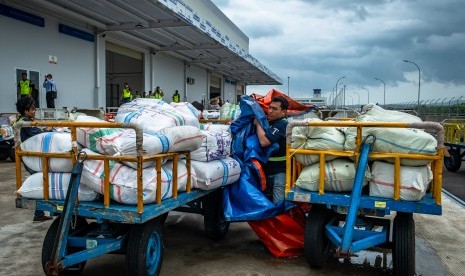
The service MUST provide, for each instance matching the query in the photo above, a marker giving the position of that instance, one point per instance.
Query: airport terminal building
(92, 47)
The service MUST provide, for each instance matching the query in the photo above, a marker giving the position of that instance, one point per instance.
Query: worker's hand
(255, 121)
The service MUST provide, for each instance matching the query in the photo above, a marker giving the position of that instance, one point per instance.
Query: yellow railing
(455, 132)
(139, 158)
(292, 169)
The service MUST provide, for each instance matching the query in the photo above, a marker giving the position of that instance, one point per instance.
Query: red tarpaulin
(282, 235)
(295, 108)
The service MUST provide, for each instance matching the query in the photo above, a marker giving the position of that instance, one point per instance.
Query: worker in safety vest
(275, 168)
(176, 97)
(127, 96)
(24, 86)
(158, 93)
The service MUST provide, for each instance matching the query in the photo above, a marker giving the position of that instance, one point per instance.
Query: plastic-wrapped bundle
(213, 174)
(123, 180)
(339, 176)
(316, 138)
(51, 142)
(396, 140)
(58, 184)
(230, 111)
(216, 145)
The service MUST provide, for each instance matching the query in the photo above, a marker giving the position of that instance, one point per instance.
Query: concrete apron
(189, 252)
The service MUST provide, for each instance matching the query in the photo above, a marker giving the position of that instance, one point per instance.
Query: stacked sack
(339, 173)
(212, 163)
(415, 175)
(59, 168)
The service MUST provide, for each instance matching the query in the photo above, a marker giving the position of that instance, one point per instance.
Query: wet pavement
(439, 242)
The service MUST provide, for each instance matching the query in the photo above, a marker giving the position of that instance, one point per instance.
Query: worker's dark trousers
(50, 100)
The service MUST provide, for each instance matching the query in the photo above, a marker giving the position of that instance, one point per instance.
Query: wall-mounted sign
(52, 59)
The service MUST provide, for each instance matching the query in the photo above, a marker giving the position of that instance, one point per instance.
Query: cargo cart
(85, 230)
(455, 140)
(346, 223)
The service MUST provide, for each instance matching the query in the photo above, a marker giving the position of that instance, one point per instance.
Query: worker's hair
(25, 103)
(282, 100)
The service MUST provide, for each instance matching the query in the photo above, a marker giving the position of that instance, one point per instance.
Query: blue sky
(314, 43)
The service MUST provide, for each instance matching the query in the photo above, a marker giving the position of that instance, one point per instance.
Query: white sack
(414, 181)
(58, 187)
(213, 174)
(154, 115)
(339, 176)
(52, 142)
(215, 127)
(118, 141)
(210, 114)
(123, 180)
(316, 138)
(215, 145)
(186, 108)
(397, 140)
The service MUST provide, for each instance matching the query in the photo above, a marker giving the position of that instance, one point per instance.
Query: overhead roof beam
(201, 46)
(217, 60)
(129, 26)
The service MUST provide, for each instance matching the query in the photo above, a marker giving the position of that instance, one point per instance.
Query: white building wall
(169, 75)
(229, 94)
(26, 46)
(198, 90)
(208, 11)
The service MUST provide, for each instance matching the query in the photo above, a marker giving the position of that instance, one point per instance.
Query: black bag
(53, 94)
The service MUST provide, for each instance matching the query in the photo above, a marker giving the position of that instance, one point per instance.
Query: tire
(453, 162)
(49, 241)
(214, 222)
(403, 251)
(316, 243)
(145, 248)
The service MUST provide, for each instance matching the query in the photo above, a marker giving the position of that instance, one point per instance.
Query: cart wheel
(49, 241)
(214, 222)
(144, 253)
(403, 251)
(316, 243)
(453, 162)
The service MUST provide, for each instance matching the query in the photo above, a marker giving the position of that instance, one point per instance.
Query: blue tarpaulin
(244, 199)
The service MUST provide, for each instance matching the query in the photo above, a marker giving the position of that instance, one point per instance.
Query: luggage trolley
(85, 230)
(455, 140)
(351, 222)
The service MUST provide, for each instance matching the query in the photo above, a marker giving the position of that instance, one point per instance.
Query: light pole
(336, 87)
(384, 101)
(287, 86)
(419, 74)
(368, 93)
(358, 96)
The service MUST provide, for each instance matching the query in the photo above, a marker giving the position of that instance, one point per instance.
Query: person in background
(127, 96)
(24, 86)
(50, 90)
(35, 94)
(150, 95)
(275, 168)
(158, 93)
(27, 110)
(176, 97)
(144, 94)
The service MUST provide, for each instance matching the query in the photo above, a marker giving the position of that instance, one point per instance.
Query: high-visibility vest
(127, 93)
(176, 98)
(158, 95)
(25, 87)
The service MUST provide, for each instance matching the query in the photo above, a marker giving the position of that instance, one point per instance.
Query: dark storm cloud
(316, 42)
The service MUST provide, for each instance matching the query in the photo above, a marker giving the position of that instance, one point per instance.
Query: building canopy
(165, 26)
